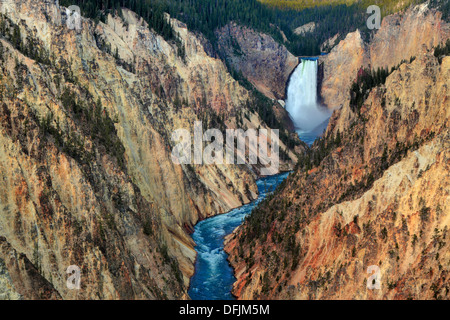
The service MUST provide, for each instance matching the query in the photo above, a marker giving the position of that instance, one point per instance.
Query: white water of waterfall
(301, 103)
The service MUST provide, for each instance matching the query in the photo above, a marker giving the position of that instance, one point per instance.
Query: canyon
(85, 149)
(373, 191)
(87, 176)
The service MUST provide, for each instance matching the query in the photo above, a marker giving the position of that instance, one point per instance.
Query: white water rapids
(301, 103)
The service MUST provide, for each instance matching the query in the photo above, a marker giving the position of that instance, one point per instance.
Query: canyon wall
(85, 154)
(261, 60)
(376, 194)
(401, 36)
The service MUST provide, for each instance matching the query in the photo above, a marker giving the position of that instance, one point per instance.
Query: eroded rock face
(85, 154)
(340, 68)
(401, 36)
(309, 27)
(262, 61)
(18, 274)
(379, 197)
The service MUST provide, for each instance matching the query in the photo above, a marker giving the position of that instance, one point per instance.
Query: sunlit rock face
(260, 59)
(85, 155)
(379, 197)
(401, 36)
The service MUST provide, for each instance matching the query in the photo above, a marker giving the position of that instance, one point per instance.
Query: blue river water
(310, 136)
(214, 278)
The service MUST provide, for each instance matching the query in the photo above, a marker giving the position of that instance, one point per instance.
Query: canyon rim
(336, 183)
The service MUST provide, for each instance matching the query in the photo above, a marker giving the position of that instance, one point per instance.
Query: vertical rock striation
(85, 154)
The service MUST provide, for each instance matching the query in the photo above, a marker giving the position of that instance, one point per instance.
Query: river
(214, 278)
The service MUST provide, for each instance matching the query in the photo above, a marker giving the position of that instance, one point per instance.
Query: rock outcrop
(261, 60)
(376, 194)
(309, 27)
(401, 36)
(85, 154)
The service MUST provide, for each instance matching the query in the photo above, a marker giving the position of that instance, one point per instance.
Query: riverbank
(214, 277)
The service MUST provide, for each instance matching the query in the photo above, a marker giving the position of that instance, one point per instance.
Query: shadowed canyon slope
(87, 176)
(85, 154)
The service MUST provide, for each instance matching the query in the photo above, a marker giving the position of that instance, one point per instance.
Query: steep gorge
(85, 154)
(401, 36)
(373, 191)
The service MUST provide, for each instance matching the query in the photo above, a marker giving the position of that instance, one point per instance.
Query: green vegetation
(206, 16)
(37, 258)
(151, 10)
(275, 17)
(365, 81)
(331, 17)
(30, 47)
(443, 6)
(387, 6)
(425, 213)
(442, 51)
(70, 142)
(92, 120)
(172, 262)
(322, 148)
(304, 4)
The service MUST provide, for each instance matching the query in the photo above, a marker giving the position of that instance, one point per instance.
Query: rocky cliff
(85, 153)
(376, 194)
(261, 60)
(402, 35)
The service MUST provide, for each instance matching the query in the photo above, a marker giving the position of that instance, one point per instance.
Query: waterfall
(301, 103)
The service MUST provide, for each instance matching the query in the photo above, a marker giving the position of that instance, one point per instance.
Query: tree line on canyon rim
(206, 16)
